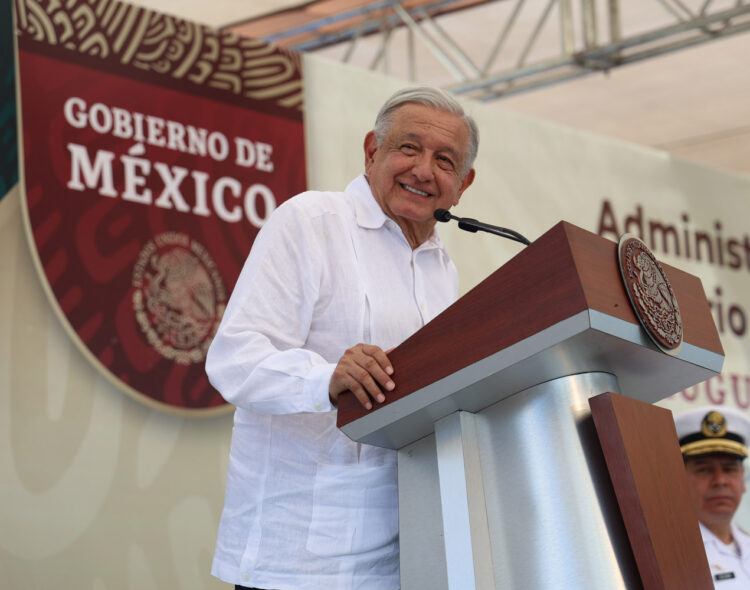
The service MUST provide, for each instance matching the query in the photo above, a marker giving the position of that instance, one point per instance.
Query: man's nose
(720, 477)
(422, 167)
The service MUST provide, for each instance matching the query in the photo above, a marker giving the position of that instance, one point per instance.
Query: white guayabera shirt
(306, 507)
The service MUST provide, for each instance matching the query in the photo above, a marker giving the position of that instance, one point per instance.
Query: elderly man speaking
(333, 281)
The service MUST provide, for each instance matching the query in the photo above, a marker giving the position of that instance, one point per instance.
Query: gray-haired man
(333, 281)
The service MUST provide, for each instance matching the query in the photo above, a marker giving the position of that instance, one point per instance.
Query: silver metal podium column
(514, 497)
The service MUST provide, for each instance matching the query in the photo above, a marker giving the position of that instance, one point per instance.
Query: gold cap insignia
(714, 424)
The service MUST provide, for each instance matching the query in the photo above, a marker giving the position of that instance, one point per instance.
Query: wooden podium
(513, 474)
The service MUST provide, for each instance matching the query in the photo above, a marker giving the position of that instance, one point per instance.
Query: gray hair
(430, 97)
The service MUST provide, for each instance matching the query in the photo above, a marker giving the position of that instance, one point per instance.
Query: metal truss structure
(522, 44)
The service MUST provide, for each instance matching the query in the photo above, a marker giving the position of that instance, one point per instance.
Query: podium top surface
(557, 308)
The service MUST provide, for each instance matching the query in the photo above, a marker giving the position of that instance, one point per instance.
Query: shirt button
(421, 306)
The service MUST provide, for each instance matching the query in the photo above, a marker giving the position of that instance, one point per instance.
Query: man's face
(419, 166)
(717, 483)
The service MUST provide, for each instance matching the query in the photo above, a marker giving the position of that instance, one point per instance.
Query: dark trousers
(238, 587)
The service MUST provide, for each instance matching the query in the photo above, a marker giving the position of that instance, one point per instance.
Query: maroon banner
(147, 176)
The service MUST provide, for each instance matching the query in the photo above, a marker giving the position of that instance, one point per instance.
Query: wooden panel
(639, 443)
(565, 271)
(596, 258)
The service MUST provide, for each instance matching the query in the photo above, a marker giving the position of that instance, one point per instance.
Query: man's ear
(371, 146)
(465, 183)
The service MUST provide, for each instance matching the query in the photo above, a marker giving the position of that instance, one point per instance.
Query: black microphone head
(442, 215)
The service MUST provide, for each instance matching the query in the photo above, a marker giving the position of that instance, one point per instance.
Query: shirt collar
(366, 209)
(739, 539)
(370, 215)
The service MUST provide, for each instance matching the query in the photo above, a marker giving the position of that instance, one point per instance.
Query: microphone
(472, 225)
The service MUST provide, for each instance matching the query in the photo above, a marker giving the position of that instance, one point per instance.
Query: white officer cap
(711, 429)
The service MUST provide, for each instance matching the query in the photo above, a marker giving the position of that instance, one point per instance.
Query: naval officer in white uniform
(713, 443)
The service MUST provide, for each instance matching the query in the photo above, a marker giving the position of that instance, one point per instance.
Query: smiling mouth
(416, 191)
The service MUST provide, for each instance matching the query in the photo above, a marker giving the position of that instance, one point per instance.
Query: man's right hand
(365, 370)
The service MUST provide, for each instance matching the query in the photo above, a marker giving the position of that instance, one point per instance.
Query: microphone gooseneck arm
(472, 225)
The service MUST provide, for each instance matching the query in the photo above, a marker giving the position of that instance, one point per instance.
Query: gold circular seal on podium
(650, 293)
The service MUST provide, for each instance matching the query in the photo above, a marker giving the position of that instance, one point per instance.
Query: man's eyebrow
(721, 462)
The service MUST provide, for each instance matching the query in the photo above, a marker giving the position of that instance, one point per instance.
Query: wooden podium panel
(640, 447)
(565, 271)
(557, 308)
